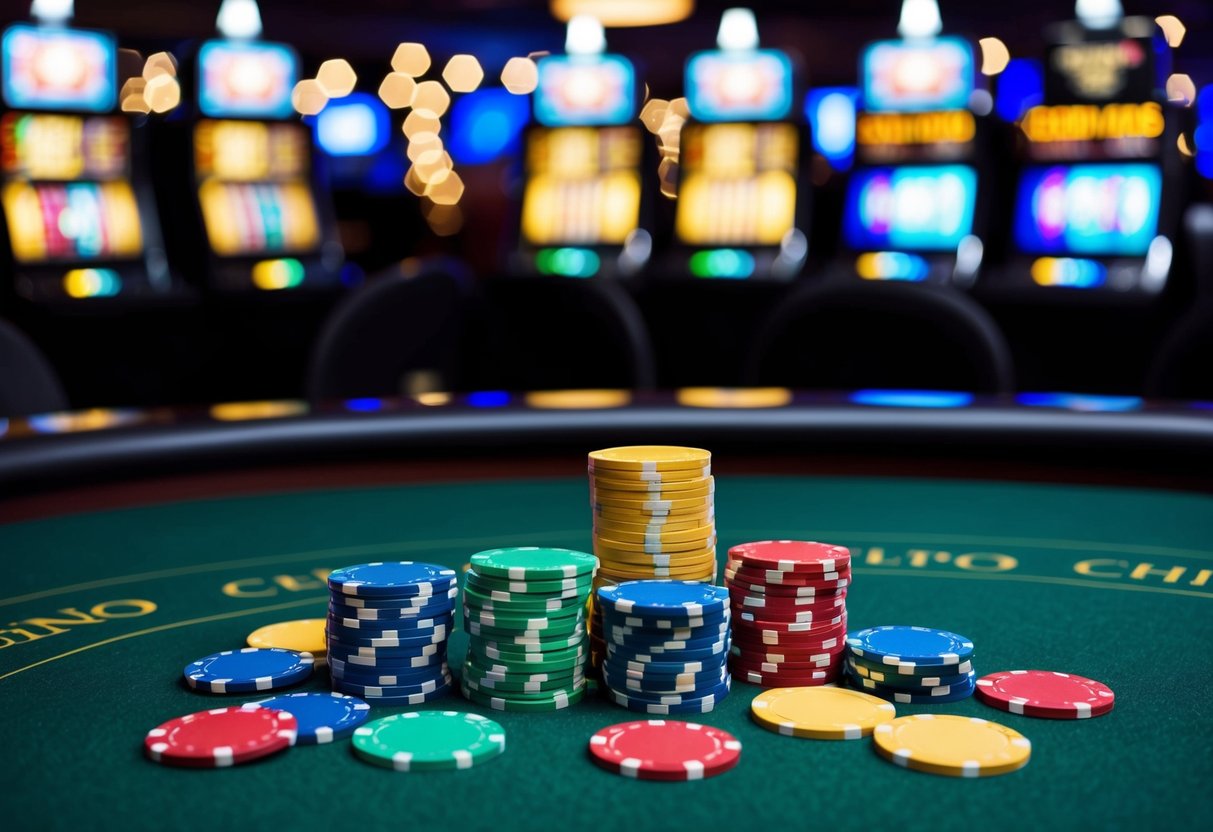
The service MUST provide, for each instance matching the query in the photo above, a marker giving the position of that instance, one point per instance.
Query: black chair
(843, 334)
(28, 383)
(399, 327)
(1183, 367)
(551, 333)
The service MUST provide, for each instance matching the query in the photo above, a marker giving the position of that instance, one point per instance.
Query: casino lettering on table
(639, 622)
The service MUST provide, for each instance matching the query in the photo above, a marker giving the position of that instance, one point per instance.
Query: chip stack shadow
(654, 517)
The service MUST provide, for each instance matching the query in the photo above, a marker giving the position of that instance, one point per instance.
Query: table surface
(1039, 576)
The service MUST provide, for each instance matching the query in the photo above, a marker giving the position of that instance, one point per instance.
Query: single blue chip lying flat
(664, 599)
(321, 717)
(250, 669)
(397, 578)
(904, 645)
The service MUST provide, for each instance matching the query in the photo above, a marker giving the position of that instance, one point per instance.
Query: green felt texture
(77, 704)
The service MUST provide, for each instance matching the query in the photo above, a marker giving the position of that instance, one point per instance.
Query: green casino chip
(429, 741)
(532, 563)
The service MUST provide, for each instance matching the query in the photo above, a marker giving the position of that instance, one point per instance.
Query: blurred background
(301, 199)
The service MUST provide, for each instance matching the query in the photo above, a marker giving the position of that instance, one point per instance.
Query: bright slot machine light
(54, 12)
(919, 19)
(1099, 14)
(738, 31)
(584, 36)
(239, 19)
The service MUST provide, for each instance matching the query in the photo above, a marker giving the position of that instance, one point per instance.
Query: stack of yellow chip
(654, 517)
(305, 635)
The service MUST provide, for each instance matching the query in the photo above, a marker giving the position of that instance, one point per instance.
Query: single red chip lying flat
(1045, 693)
(792, 556)
(658, 749)
(221, 737)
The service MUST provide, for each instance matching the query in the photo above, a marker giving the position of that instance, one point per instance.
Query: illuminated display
(1089, 122)
(739, 86)
(63, 147)
(955, 126)
(583, 186)
(72, 221)
(246, 79)
(738, 184)
(915, 76)
(1109, 209)
(58, 69)
(923, 208)
(1103, 70)
(585, 90)
(258, 217)
(247, 151)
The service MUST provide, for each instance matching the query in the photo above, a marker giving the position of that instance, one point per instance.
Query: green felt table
(105, 606)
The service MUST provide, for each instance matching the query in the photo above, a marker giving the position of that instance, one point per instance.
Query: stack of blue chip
(667, 645)
(911, 665)
(387, 630)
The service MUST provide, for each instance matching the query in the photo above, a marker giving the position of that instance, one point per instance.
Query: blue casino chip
(662, 685)
(249, 669)
(412, 698)
(402, 604)
(406, 627)
(922, 696)
(321, 717)
(377, 691)
(664, 600)
(904, 646)
(392, 579)
(657, 655)
(641, 670)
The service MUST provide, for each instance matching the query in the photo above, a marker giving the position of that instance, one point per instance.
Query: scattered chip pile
(524, 610)
(789, 611)
(667, 645)
(654, 517)
(387, 629)
(911, 665)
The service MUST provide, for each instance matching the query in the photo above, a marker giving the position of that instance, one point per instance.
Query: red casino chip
(829, 581)
(1046, 694)
(780, 591)
(798, 556)
(788, 679)
(659, 749)
(221, 737)
(753, 602)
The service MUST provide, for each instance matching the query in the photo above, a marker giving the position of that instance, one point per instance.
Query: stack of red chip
(789, 611)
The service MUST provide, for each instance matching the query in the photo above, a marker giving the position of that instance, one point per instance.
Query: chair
(843, 334)
(545, 333)
(397, 326)
(28, 383)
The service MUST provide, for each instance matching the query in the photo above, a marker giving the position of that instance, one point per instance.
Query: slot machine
(584, 211)
(915, 202)
(740, 213)
(79, 214)
(1099, 193)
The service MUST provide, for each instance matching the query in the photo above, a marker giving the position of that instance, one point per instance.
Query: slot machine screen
(584, 91)
(748, 86)
(913, 76)
(1105, 209)
(911, 208)
(253, 189)
(58, 69)
(582, 185)
(246, 80)
(65, 193)
(738, 184)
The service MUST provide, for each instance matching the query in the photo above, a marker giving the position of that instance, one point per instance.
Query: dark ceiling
(826, 33)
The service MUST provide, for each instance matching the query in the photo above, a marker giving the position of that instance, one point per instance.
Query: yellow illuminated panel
(72, 221)
(248, 151)
(1090, 122)
(952, 126)
(253, 218)
(583, 186)
(58, 147)
(738, 184)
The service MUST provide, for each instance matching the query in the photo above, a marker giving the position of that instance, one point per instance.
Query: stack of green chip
(524, 611)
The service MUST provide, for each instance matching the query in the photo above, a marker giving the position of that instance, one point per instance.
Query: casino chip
(789, 606)
(957, 746)
(320, 717)
(683, 625)
(821, 713)
(247, 670)
(524, 612)
(654, 517)
(1046, 694)
(911, 665)
(387, 631)
(221, 737)
(429, 741)
(303, 636)
(658, 749)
